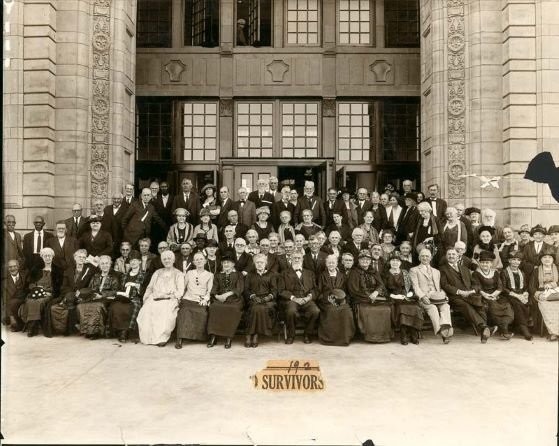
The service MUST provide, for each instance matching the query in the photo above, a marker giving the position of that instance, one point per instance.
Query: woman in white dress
(158, 315)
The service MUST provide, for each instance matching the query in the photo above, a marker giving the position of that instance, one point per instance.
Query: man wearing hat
(533, 249)
(524, 234)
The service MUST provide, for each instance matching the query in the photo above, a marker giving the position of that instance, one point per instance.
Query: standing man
(332, 205)
(128, 195)
(76, 225)
(188, 200)
(13, 247)
(274, 183)
(315, 259)
(139, 218)
(282, 205)
(63, 245)
(379, 212)
(112, 220)
(363, 205)
(437, 204)
(260, 197)
(34, 241)
(157, 233)
(245, 208)
(165, 203)
(225, 205)
(311, 201)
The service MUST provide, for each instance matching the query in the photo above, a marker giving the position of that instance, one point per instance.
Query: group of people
(201, 267)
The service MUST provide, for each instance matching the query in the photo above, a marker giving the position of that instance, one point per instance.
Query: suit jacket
(350, 247)
(316, 267)
(267, 199)
(361, 209)
(69, 284)
(452, 281)
(247, 213)
(13, 249)
(317, 208)
(407, 224)
(277, 208)
(291, 285)
(28, 247)
(101, 245)
(193, 206)
(113, 223)
(243, 263)
(283, 263)
(133, 226)
(78, 231)
(344, 230)
(224, 209)
(165, 211)
(420, 280)
(441, 206)
(12, 291)
(63, 256)
(329, 208)
(530, 256)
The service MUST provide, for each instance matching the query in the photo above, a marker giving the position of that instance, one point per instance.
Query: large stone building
(351, 93)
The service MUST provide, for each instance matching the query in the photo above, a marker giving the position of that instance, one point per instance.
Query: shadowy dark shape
(542, 169)
(368, 443)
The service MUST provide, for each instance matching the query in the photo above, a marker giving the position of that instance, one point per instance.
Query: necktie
(39, 244)
(391, 217)
(76, 225)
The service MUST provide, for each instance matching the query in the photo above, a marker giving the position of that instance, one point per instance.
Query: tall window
(401, 129)
(153, 129)
(254, 130)
(354, 26)
(154, 24)
(254, 23)
(401, 23)
(299, 130)
(302, 22)
(200, 131)
(354, 122)
(201, 23)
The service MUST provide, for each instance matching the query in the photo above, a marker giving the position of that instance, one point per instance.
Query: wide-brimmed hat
(208, 186)
(346, 190)
(515, 255)
(211, 244)
(228, 256)
(411, 196)
(338, 294)
(200, 236)
(94, 219)
(553, 229)
(486, 256)
(263, 210)
(135, 255)
(394, 255)
(547, 250)
(538, 228)
(365, 253)
(524, 228)
(470, 211)
(489, 229)
(205, 211)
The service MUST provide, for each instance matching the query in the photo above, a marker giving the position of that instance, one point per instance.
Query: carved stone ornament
(329, 108)
(174, 69)
(226, 107)
(381, 69)
(277, 68)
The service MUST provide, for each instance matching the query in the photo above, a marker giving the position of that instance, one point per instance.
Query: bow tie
(243, 201)
(298, 271)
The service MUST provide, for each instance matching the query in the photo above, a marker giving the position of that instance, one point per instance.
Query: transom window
(200, 131)
(154, 24)
(302, 22)
(354, 121)
(299, 130)
(255, 130)
(354, 22)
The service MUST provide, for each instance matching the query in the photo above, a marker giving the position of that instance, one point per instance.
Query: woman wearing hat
(336, 325)
(126, 306)
(208, 201)
(515, 288)
(192, 317)
(486, 244)
(524, 234)
(407, 314)
(181, 232)
(206, 226)
(262, 226)
(226, 304)
(533, 249)
(474, 214)
(96, 241)
(373, 309)
(544, 289)
(213, 257)
(487, 282)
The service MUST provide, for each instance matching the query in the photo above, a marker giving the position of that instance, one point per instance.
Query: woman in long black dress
(226, 305)
(407, 312)
(336, 325)
(487, 282)
(368, 295)
(261, 288)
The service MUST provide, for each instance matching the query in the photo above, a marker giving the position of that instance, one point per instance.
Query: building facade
(349, 93)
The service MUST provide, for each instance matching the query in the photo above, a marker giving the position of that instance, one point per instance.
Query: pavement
(73, 390)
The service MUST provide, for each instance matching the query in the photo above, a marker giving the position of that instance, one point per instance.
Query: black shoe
(248, 343)
(485, 333)
(413, 336)
(93, 337)
(178, 344)
(404, 338)
(526, 333)
(228, 343)
(211, 342)
(446, 340)
(15, 328)
(123, 336)
(289, 341)
(307, 340)
(163, 344)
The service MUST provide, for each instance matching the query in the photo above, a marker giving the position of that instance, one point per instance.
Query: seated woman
(368, 295)
(158, 315)
(122, 263)
(487, 282)
(307, 227)
(543, 288)
(252, 242)
(333, 245)
(262, 226)
(426, 282)
(123, 311)
(45, 281)
(515, 288)
(387, 244)
(192, 317)
(453, 229)
(406, 312)
(486, 244)
(226, 305)
(63, 313)
(286, 231)
(260, 292)
(93, 303)
(181, 232)
(336, 325)
(206, 226)
(370, 234)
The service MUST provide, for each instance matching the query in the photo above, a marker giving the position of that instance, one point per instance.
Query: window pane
(153, 24)
(353, 135)
(153, 129)
(402, 24)
(202, 136)
(302, 22)
(301, 120)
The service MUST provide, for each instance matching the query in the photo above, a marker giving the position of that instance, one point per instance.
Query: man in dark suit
(13, 244)
(227, 238)
(299, 296)
(139, 218)
(245, 208)
(128, 195)
(284, 260)
(260, 197)
(165, 203)
(437, 204)
(314, 259)
(333, 204)
(77, 224)
(273, 182)
(338, 225)
(377, 261)
(63, 245)
(239, 228)
(225, 205)
(112, 220)
(533, 248)
(456, 281)
(14, 290)
(283, 204)
(313, 202)
(34, 241)
(356, 244)
(158, 233)
(362, 205)
(188, 200)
